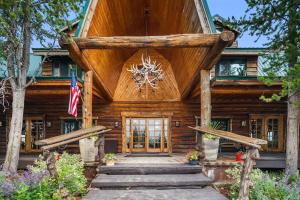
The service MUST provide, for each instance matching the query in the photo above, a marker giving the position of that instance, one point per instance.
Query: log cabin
(205, 75)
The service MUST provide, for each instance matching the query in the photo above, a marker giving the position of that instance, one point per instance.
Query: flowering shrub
(264, 186)
(36, 183)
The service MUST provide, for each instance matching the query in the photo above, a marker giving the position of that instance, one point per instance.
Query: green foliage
(46, 189)
(279, 21)
(264, 186)
(39, 165)
(70, 169)
(214, 125)
(110, 156)
(37, 183)
(192, 155)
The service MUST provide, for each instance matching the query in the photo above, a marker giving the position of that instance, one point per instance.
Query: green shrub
(70, 170)
(36, 183)
(264, 186)
(192, 155)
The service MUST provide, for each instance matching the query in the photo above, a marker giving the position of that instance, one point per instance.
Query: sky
(236, 8)
(226, 9)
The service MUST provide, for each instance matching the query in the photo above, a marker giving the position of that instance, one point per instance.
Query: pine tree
(279, 22)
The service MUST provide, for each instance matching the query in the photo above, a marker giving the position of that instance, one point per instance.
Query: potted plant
(192, 157)
(210, 143)
(110, 159)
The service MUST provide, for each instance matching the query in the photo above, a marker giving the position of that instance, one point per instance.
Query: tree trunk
(292, 138)
(16, 123)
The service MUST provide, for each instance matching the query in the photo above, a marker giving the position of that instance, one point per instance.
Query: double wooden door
(147, 134)
(269, 128)
(33, 130)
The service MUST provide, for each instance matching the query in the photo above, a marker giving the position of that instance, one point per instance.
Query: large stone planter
(210, 148)
(88, 149)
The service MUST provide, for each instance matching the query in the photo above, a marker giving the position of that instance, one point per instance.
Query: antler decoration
(148, 72)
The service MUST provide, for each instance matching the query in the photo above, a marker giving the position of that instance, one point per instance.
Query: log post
(205, 98)
(205, 101)
(251, 155)
(101, 153)
(86, 151)
(87, 111)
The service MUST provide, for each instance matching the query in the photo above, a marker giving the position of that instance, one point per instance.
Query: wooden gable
(166, 89)
(114, 19)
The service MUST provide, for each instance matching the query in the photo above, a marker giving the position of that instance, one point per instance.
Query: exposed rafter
(226, 39)
(79, 58)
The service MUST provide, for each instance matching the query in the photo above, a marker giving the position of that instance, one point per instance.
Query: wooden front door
(147, 134)
(269, 128)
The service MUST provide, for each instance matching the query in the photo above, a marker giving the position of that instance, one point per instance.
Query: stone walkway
(152, 178)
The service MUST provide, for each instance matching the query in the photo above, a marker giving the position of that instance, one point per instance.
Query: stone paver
(155, 180)
(207, 193)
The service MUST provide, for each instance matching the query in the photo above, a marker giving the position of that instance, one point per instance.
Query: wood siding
(235, 107)
(167, 89)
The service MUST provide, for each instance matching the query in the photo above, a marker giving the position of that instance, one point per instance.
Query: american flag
(74, 96)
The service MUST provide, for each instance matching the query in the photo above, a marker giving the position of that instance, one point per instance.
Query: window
(70, 125)
(231, 67)
(64, 69)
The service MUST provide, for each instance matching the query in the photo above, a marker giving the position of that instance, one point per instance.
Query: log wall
(236, 107)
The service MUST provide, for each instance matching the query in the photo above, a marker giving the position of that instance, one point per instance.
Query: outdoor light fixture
(243, 123)
(117, 124)
(48, 124)
(1, 124)
(177, 123)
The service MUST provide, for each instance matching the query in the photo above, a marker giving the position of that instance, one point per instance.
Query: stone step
(206, 193)
(159, 181)
(143, 169)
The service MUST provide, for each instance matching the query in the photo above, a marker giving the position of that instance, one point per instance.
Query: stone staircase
(151, 182)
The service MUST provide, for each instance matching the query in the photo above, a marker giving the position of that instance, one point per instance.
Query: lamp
(243, 123)
(117, 124)
(48, 124)
(177, 123)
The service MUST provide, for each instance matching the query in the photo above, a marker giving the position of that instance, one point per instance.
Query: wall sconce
(1, 124)
(177, 123)
(117, 124)
(48, 124)
(243, 123)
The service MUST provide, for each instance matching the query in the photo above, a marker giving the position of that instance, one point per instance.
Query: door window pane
(272, 134)
(256, 128)
(37, 132)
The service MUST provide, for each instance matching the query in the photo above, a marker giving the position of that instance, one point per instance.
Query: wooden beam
(51, 146)
(69, 136)
(87, 110)
(248, 141)
(80, 59)
(167, 41)
(213, 55)
(205, 98)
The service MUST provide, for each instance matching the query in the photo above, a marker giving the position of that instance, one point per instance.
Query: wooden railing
(252, 153)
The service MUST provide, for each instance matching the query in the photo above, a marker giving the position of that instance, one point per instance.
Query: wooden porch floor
(267, 161)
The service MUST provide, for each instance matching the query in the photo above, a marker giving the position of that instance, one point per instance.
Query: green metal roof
(210, 19)
(84, 10)
(34, 63)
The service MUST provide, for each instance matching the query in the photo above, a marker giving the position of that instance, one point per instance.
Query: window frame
(230, 59)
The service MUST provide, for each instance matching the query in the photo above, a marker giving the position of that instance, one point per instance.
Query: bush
(264, 186)
(70, 170)
(36, 183)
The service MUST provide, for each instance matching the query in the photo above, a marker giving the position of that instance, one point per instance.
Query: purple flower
(7, 188)
(33, 178)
